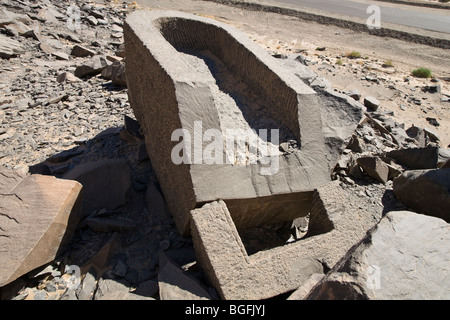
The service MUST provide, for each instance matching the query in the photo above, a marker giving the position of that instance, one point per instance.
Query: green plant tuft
(353, 55)
(422, 73)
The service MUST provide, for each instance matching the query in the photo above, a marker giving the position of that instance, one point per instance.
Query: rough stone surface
(336, 224)
(427, 191)
(303, 291)
(371, 103)
(80, 51)
(417, 158)
(340, 117)
(404, 257)
(175, 284)
(105, 183)
(91, 67)
(375, 168)
(116, 73)
(181, 50)
(38, 215)
(109, 289)
(10, 48)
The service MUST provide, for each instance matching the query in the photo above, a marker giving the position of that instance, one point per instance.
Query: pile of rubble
(94, 219)
(53, 95)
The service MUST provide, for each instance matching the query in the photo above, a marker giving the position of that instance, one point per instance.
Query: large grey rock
(8, 17)
(340, 118)
(416, 158)
(169, 89)
(404, 257)
(38, 215)
(87, 287)
(427, 191)
(105, 183)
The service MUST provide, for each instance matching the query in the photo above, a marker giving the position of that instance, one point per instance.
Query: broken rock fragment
(92, 67)
(105, 183)
(80, 51)
(404, 257)
(416, 158)
(176, 284)
(116, 73)
(371, 103)
(38, 215)
(375, 168)
(10, 48)
(427, 191)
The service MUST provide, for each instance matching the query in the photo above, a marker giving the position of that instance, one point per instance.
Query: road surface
(408, 16)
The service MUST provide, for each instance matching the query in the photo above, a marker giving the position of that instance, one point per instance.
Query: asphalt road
(405, 16)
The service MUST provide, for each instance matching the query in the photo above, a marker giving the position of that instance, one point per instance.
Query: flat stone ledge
(335, 226)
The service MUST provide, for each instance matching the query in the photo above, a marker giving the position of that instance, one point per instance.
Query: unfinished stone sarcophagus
(194, 83)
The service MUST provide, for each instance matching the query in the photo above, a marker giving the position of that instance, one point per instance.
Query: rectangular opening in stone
(246, 93)
(311, 220)
(195, 75)
(267, 237)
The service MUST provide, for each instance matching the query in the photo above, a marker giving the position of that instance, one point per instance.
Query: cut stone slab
(335, 225)
(105, 183)
(172, 89)
(405, 257)
(427, 191)
(38, 215)
(176, 284)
